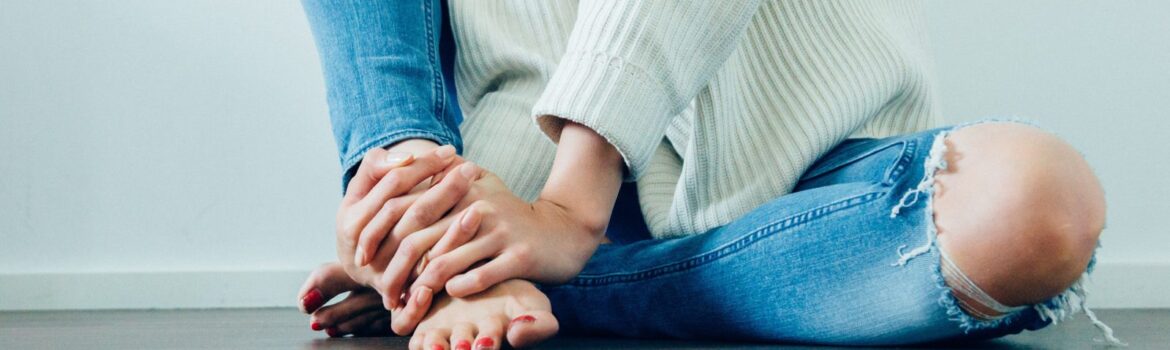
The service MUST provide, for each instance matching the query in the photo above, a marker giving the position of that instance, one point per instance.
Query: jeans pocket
(866, 160)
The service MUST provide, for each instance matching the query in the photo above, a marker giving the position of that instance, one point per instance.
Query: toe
(436, 340)
(354, 305)
(461, 336)
(416, 340)
(379, 328)
(323, 284)
(531, 328)
(359, 323)
(490, 332)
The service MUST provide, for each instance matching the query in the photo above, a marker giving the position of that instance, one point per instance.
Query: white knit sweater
(716, 106)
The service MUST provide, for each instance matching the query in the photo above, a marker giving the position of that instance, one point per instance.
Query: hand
(537, 241)
(360, 313)
(386, 184)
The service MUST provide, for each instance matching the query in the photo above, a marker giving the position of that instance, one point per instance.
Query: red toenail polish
(316, 326)
(313, 300)
(463, 345)
(524, 319)
(436, 347)
(484, 343)
(332, 332)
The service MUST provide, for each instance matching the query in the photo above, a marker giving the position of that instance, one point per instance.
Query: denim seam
(729, 248)
(437, 90)
(909, 149)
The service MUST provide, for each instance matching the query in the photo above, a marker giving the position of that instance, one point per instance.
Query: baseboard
(1112, 286)
(150, 290)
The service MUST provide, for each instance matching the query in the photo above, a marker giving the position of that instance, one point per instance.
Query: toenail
(436, 347)
(463, 345)
(484, 343)
(312, 300)
(316, 326)
(524, 319)
(333, 332)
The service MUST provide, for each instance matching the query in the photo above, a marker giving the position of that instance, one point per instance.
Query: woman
(787, 166)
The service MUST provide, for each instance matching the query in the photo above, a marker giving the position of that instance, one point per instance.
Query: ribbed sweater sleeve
(630, 66)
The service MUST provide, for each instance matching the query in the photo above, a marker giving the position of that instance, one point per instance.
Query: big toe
(532, 327)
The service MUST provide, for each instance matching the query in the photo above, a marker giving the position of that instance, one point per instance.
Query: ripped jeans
(848, 258)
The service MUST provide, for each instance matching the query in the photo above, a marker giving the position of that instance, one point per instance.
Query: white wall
(177, 153)
(159, 136)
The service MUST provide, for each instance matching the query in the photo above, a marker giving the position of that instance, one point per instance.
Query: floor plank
(287, 329)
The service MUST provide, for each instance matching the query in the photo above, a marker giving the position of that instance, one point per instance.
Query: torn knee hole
(973, 300)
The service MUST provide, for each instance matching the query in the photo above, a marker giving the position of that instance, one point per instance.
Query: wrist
(578, 225)
(585, 177)
(580, 218)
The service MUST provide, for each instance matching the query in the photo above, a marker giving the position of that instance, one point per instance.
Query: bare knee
(1018, 210)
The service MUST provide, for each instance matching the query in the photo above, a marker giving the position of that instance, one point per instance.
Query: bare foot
(514, 309)
(360, 313)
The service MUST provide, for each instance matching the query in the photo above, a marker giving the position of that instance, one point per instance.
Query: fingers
(373, 167)
(499, 269)
(410, 250)
(353, 217)
(442, 174)
(439, 270)
(438, 200)
(404, 320)
(323, 284)
(408, 215)
(400, 180)
(375, 232)
(459, 232)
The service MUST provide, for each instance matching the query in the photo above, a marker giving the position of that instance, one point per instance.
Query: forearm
(585, 178)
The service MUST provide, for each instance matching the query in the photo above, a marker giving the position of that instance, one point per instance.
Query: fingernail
(524, 319)
(456, 283)
(396, 158)
(316, 326)
(359, 256)
(445, 151)
(463, 345)
(332, 332)
(466, 223)
(422, 296)
(469, 170)
(484, 343)
(312, 300)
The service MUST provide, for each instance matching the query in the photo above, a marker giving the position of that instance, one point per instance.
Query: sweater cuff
(615, 98)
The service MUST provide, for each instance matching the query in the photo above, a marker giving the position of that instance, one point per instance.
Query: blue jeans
(819, 265)
(388, 67)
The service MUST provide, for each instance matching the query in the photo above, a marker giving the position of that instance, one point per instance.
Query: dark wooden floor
(287, 329)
